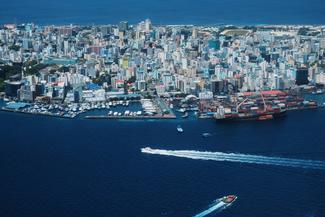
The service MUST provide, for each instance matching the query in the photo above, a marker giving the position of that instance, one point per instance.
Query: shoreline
(171, 24)
(30, 113)
(123, 117)
(129, 117)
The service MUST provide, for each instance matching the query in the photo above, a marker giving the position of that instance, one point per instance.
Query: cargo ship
(251, 110)
(222, 114)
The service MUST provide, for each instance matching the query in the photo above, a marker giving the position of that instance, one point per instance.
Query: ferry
(180, 129)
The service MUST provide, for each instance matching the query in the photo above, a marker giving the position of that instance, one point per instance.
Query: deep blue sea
(163, 11)
(52, 167)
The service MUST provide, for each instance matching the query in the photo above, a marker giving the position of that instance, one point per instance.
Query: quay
(130, 117)
(35, 113)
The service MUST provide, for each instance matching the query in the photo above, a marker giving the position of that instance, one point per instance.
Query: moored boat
(185, 115)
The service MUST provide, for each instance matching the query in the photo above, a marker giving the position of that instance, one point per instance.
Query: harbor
(112, 109)
(264, 105)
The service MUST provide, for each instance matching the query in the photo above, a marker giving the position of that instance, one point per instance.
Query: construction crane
(263, 100)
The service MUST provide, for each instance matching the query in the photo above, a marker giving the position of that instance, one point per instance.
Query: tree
(64, 69)
(14, 47)
(132, 79)
(32, 70)
(2, 85)
(303, 31)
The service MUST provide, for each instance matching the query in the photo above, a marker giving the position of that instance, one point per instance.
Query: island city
(222, 72)
(170, 108)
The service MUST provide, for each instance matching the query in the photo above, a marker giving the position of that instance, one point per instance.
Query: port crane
(241, 104)
(238, 106)
(263, 100)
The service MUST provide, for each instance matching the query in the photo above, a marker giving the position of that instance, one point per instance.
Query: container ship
(248, 109)
(263, 105)
(253, 114)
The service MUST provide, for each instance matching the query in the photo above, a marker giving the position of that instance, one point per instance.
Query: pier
(130, 117)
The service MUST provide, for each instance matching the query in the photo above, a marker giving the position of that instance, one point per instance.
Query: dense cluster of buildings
(91, 63)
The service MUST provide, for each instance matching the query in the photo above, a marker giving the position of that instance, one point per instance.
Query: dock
(33, 113)
(130, 117)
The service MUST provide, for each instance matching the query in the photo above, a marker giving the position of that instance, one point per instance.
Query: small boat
(185, 115)
(180, 129)
(228, 200)
(181, 110)
(205, 135)
(318, 92)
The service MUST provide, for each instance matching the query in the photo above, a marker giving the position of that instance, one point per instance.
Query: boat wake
(241, 158)
(217, 206)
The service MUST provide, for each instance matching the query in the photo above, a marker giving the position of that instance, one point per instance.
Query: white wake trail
(219, 206)
(241, 158)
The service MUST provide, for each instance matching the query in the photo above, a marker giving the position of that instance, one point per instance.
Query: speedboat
(205, 135)
(179, 129)
(228, 200)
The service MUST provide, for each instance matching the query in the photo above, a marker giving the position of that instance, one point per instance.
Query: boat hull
(253, 117)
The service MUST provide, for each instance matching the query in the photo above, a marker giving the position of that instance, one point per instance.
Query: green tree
(2, 85)
(14, 47)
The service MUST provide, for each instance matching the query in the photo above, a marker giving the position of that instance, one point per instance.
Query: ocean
(61, 167)
(212, 12)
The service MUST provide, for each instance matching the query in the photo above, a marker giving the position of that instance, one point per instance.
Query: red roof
(266, 92)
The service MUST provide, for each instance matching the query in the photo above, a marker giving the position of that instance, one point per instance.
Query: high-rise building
(147, 25)
(65, 30)
(27, 43)
(123, 26)
(12, 87)
(218, 86)
(106, 29)
(322, 43)
(302, 76)
(194, 32)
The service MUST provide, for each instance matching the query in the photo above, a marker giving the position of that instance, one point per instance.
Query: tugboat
(179, 129)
